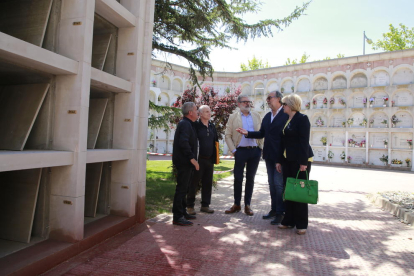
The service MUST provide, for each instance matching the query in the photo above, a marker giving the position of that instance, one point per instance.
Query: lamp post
(369, 41)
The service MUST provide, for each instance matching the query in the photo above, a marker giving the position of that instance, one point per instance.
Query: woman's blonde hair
(293, 101)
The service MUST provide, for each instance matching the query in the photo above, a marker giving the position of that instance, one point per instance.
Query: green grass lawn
(161, 186)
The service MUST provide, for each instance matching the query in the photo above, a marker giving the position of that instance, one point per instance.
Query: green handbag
(300, 190)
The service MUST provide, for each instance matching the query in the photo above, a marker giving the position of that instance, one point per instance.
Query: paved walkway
(346, 236)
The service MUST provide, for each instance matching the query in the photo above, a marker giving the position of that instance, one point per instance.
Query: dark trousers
(276, 187)
(249, 158)
(184, 177)
(296, 213)
(205, 175)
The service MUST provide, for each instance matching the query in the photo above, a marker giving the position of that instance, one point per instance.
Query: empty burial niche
(101, 119)
(97, 190)
(20, 105)
(24, 201)
(104, 45)
(31, 21)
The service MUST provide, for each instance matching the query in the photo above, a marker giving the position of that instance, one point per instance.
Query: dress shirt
(271, 114)
(249, 126)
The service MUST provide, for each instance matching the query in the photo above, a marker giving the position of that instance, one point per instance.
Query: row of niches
(37, 22)
(376, 119)
(375, 140)
(376, 157)
(33, 128)
(400, 97)
(401, 75)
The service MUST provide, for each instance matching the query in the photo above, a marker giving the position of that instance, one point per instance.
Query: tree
(303, 59)
(396, 39)
(159, 121)
(221, 105)
(254, 64)
(192, 28)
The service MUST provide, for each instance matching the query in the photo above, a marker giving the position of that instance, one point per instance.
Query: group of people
(285, 149)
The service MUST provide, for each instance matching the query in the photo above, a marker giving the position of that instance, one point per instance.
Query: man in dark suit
(271, 130)
(184, 161)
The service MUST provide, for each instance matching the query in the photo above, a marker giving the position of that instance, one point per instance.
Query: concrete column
(71, 121)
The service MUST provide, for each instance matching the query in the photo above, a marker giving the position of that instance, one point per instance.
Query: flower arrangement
(319, 122)
(350, 121)
(385, 99)
(323, 140)
(371, 121)
(325, 101)
(307, 105)
(392, 103)
(330, 154)
(364, 101)
(371, 100)
(282, 89)
(343, 155)
(342, 101)
(332, 100)
(349, 158)
(384, 122)
(364, 122)
(408, 161)
(363, 142)
(154, 82)
(410, 142)
(384, 158)
(314, 101)
(394, 119)
(344, 124)
(385, 142)
(396, 162)
(351, 142)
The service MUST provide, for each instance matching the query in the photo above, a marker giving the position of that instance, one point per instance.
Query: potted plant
(384, 159)
(282, 90)
(385, 100)
(343, 156)
(349, 158)
(408, 161)
(323, 140)
(314, 102)
(330, 155)
(385, 143)
(410, 143)
(363, 142)
(371, 101)
(154, 83)
(396, 163)
(344, 124)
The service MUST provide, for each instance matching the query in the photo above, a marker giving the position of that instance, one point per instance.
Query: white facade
(348, 81)
(73, 103)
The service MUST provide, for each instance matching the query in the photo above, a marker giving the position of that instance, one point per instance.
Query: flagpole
(364, 43)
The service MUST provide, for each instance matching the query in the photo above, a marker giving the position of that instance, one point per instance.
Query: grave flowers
(154, 83)
(364, 122)
(342, 101)
(394, 120)
(343, 156)
(351, 142)
(350, 121)
(396, 163)
(332, 100)
(307, 105)
(364, 101)
(314, 102)
(385, 122)
(325, 101)
(371, 101)
(319, 122)
(408, 161)
(385, 143)
(349, 159)
(330, 155)
(323, 140)
(384, 159)
(410, 143)
(371, 122)
(385, 100)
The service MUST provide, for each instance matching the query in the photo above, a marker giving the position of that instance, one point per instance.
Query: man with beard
(271, 130)
(246, 151)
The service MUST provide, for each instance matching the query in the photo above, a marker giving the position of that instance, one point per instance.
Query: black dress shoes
(271, 214)
(278, 219)
(182, 222)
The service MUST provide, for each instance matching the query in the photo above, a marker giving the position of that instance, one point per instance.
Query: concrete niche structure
(74, 90)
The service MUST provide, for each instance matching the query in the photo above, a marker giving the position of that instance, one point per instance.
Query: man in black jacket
(184, 161)
(207, 136)
(271, 129)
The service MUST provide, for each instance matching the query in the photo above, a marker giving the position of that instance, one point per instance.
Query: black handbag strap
(307, 176)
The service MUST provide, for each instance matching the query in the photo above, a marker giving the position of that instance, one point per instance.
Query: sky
(329, 27)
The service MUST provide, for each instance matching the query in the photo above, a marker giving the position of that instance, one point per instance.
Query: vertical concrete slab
(41, 216)
(105, 135)
(96, 113)
(92, 186)
(25, 19)
(100, 50)
(19, 106)
(50, 39)
(110, 61)
(104, 190)
(18, 189)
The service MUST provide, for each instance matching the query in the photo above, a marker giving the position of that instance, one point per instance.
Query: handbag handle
(307, 176)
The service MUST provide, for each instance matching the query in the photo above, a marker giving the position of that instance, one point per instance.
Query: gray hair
(240, 97)
(187, 107)
(201, 108)
(277, 94)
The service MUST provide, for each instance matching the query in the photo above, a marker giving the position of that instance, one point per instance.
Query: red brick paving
(346, 236)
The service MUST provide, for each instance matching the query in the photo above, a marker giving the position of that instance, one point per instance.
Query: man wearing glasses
(207, 136)
(271, 130)
(185, 162)
(246, 152)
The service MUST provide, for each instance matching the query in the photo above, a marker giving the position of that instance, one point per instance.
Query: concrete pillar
(71, 121)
